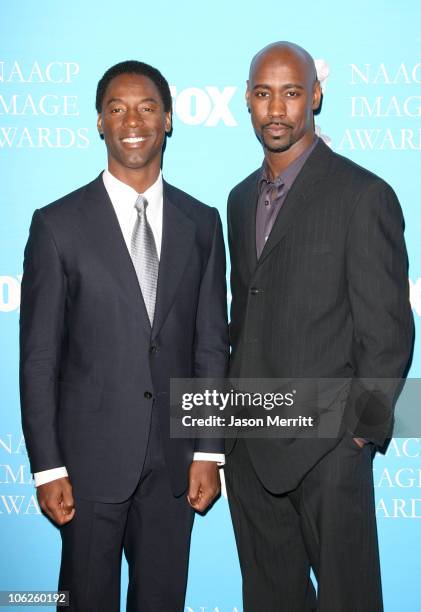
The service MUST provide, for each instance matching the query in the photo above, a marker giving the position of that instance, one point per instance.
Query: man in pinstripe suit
(320, 291)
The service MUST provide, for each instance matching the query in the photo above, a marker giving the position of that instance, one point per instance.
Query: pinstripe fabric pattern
(328, 523)
(327, 298)
(145, 256)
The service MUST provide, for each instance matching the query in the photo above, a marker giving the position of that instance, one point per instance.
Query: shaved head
(284, 50)
(282, 95)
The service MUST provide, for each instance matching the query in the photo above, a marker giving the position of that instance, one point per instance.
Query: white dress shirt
(123, 198)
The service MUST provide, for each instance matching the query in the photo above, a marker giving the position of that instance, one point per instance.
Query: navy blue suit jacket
(92, 368)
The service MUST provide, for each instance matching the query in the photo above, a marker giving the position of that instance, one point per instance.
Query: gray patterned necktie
(145, 256)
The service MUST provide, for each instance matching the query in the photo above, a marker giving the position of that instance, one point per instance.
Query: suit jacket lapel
(101, 225)
(301, 195)
(178, 232)
(249, 219)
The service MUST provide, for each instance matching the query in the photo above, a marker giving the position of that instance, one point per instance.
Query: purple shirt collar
(289, 175)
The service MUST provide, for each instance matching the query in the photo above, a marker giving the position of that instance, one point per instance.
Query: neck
(278, 162)
(138, 179)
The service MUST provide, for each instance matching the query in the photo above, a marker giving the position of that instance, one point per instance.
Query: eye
(146, 108)
(116, 109)
(262, 94)
(292, 93)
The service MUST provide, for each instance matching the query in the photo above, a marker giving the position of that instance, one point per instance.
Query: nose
(132, 117)
(277, 107)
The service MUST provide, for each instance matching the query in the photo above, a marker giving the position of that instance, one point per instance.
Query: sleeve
(378, 291)
(211, 345)
(41, 332)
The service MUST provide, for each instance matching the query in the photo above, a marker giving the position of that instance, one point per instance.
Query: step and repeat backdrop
(51, 58)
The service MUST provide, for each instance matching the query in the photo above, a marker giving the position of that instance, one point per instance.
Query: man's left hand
(204, 484)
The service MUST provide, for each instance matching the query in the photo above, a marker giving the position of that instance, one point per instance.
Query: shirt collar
(290, 173)
(126, 195)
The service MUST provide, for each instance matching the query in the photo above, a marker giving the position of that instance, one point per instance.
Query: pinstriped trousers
(327, 524)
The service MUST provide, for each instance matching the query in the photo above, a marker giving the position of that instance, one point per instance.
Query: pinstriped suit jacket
(328, 298)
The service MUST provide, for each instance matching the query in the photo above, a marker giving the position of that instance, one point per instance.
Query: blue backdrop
(52, 55)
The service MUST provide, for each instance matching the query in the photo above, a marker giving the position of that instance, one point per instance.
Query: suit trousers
(153, 529)
(327, 524)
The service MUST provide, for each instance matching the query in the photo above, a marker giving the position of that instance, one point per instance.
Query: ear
(99, 124)
(317, 95)
(168, 122)
(248, 96)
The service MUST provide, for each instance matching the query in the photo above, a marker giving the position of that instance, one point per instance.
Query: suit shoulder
(66, 204)
(363, 190)
(350, 174)
(192, 207)
(245, 185)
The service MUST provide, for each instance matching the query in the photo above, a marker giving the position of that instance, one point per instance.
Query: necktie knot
(141, 204)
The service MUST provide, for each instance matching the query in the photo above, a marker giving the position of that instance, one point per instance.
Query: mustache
(277, 124)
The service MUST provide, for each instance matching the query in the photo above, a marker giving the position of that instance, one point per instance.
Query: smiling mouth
(134, 139)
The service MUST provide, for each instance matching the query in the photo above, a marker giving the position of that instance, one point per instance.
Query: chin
(277, 147)
(135, 164)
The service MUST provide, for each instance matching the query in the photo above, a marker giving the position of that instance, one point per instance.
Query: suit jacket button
(154, 349)
(147, 395)
(254, 291)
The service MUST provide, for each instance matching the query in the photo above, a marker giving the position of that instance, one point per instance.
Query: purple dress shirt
(272, 194)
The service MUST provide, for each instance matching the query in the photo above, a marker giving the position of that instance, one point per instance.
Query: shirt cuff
(49, 475)
(218, 457)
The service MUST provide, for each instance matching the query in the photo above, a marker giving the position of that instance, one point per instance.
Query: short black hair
(134, 67)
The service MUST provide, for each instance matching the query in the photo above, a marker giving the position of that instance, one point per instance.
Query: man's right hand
(56, 500)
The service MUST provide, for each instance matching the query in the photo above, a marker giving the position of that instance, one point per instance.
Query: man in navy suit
(98, 349)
